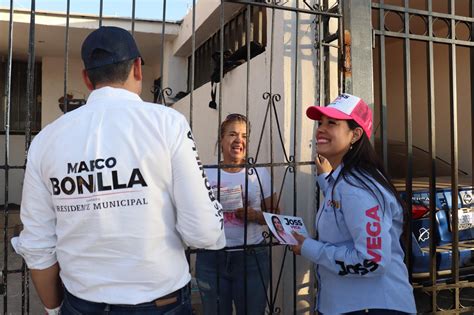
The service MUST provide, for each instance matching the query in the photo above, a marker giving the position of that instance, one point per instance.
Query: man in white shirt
(113, 192)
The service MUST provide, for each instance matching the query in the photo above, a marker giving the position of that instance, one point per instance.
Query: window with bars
(235, 32)
(18, 101)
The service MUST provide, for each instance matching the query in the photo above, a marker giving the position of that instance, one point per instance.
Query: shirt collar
(334, 173)
(108, 92)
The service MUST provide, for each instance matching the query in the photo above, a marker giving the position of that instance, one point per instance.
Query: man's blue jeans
(220, 277)
(75, 306)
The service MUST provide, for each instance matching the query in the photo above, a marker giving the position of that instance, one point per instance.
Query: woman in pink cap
(357, 251)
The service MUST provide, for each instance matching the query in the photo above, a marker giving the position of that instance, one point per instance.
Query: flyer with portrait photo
(281, 227)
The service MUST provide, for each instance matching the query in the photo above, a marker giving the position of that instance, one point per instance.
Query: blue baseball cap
(115, 43)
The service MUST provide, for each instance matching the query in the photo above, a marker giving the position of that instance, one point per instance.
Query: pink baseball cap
(345, 107)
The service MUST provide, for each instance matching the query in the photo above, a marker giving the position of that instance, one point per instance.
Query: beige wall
(396, 104)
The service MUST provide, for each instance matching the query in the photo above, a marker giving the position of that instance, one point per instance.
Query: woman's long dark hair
(361, 165)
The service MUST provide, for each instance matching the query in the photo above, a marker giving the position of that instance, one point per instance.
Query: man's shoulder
(159, 110)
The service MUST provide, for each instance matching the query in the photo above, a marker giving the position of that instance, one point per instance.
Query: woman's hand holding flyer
(284, 226)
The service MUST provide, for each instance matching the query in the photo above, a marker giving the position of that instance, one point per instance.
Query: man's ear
(86, 80)
(137, 69)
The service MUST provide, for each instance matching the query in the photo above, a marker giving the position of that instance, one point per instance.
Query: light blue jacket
(357, 252)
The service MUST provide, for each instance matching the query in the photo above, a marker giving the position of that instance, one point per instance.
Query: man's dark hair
(113, 73)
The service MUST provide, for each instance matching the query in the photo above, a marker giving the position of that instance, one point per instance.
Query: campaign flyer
(231, 200)
(281, 227)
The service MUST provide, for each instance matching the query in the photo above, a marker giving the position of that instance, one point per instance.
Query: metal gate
(423, 79)
(296, 35)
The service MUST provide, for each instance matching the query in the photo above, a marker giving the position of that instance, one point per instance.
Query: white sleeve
(37, 242)
(200, 220)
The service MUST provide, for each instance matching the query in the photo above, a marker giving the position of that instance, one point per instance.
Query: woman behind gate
(224, 276)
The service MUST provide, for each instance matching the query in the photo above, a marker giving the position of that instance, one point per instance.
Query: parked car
(421, 232)
(420, 224)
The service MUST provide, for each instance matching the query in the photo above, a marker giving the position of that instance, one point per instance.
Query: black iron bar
(330, 38)
(266, 95)
(163, 26)
(295, 124)
(423, 12)
(432, 150)
(326, 56)
(445, 286)
(7, 108)
(101, 12)
(408, 118)
(471, 52)
(425, 38)
(272, 169)
(12, 167)
(280, 274)
(133, 17)
(31, 101)
(246, 183)
(247, 94)
(193, 65)
(322, 74)
(239, 247)
(340, 44)
(66, 56)
(331, 45)
(454, 158)
(383, 91)
(285, 8)
(221, 75)
(277, 98)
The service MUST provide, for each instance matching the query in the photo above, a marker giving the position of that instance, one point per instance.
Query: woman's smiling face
(234, 142)
(334, 138)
